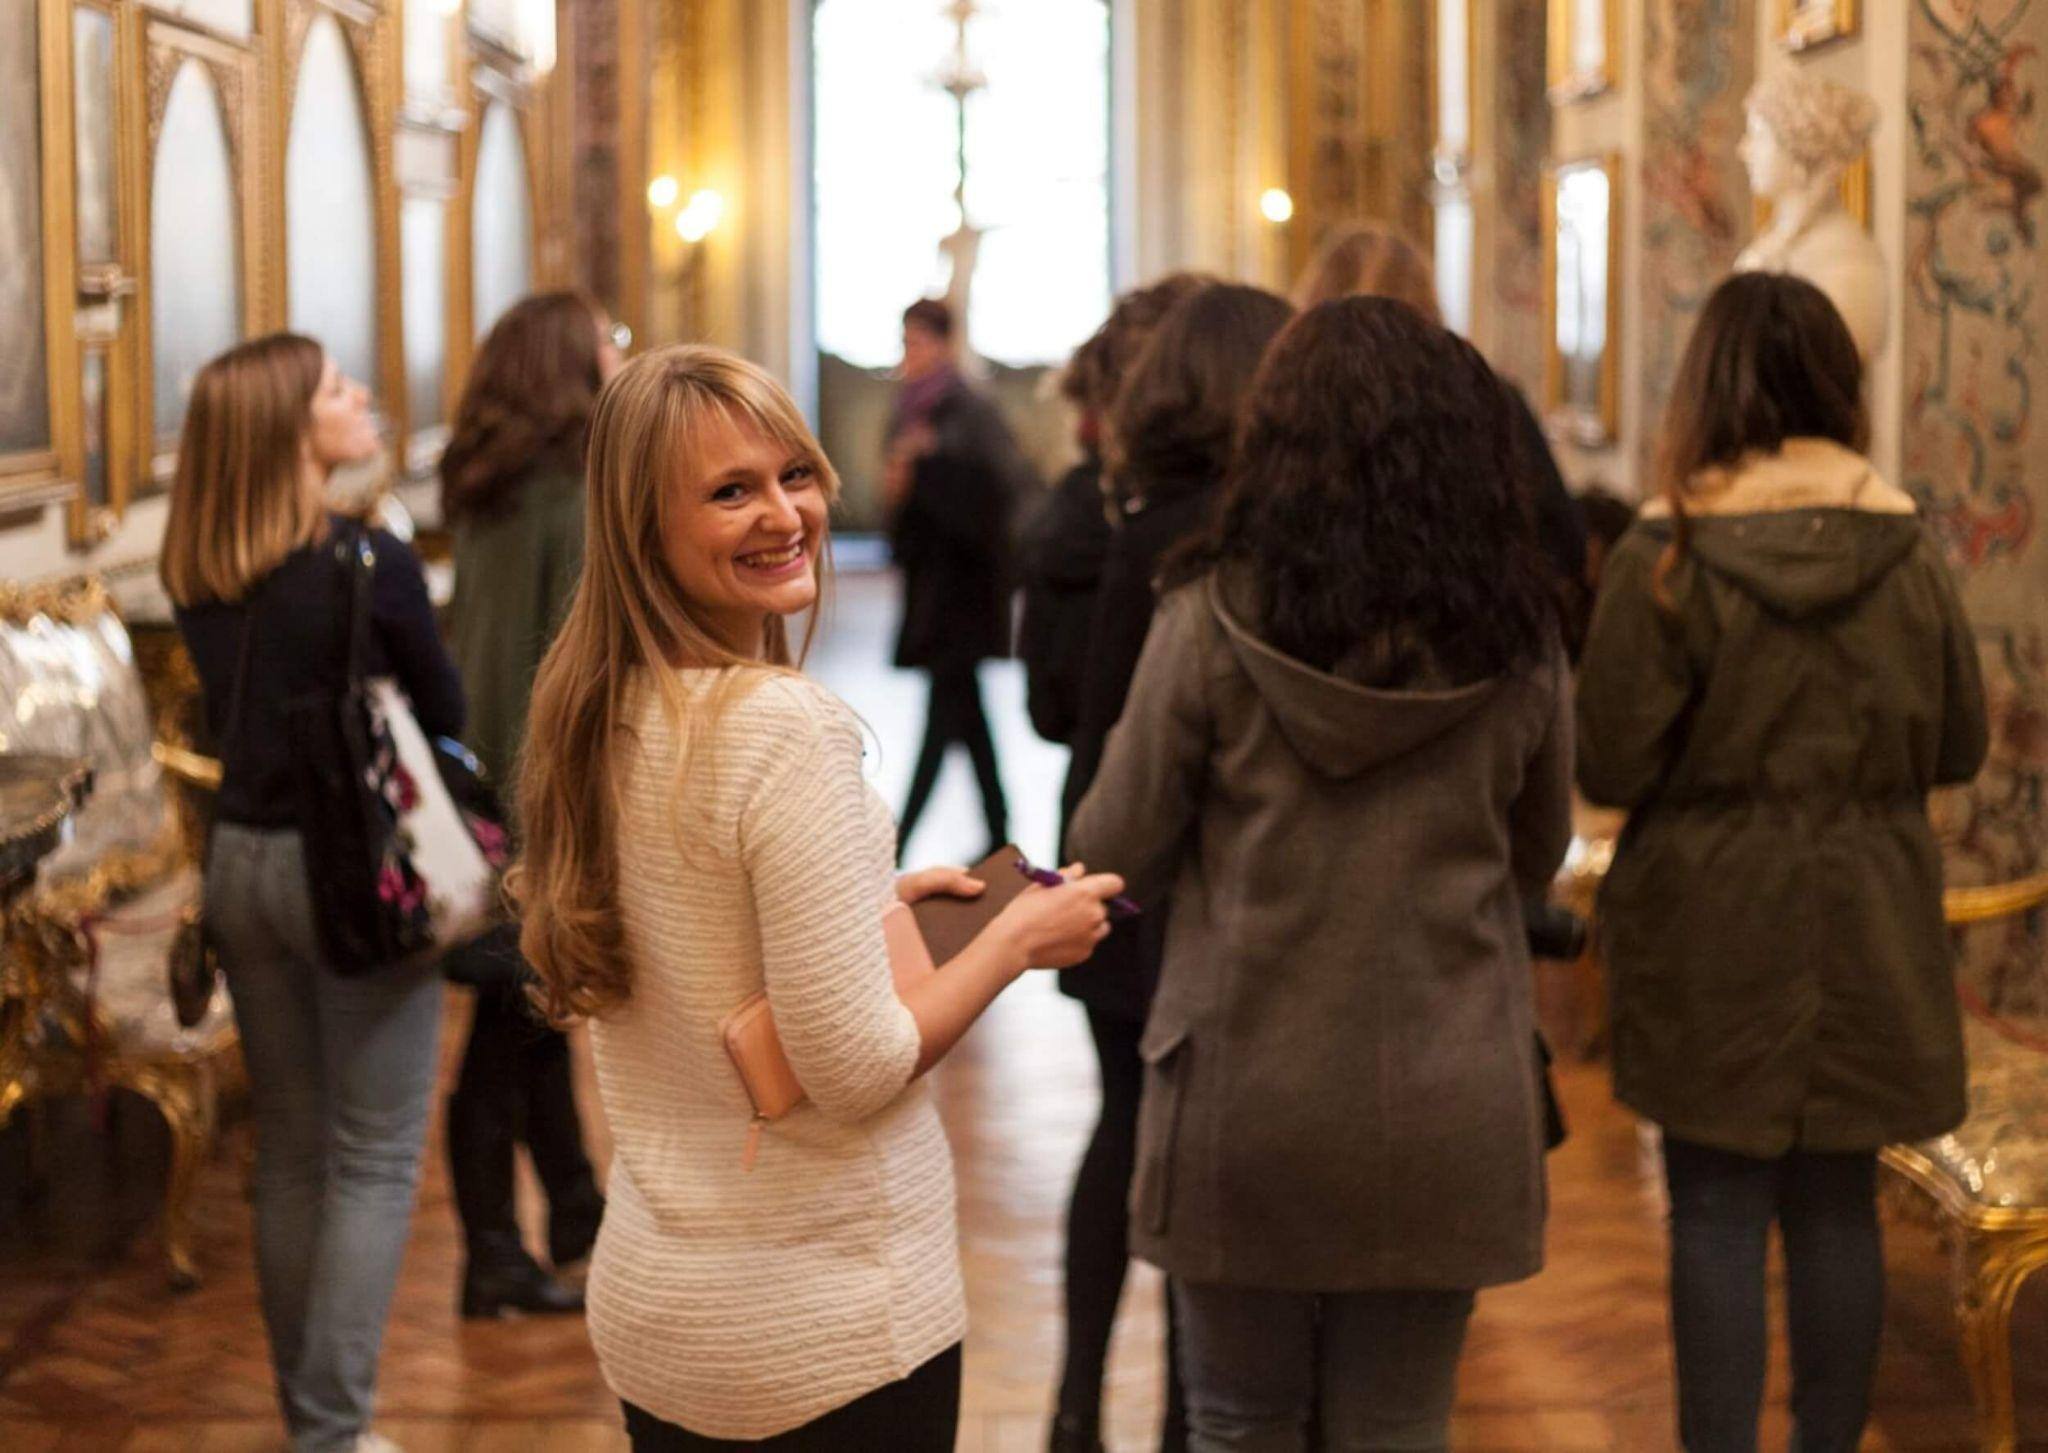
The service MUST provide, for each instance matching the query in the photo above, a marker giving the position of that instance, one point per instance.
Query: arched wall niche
(501, 217)
(195, 284)
(331, 207)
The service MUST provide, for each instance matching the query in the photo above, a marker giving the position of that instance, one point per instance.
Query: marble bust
(1803, 133)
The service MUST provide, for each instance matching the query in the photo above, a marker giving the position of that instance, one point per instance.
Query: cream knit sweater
(737, 1303)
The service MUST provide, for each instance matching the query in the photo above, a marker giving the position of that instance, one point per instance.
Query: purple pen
(1119, 906)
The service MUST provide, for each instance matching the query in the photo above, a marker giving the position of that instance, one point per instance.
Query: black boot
(1069, 1435)
(503, 1287)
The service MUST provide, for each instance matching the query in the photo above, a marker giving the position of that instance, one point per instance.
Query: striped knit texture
(742, 1304)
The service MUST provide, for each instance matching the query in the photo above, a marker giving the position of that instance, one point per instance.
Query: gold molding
(72, 602)
(1599, 427)
(1802, 24)
(1566, 84)
(1855, 191)
(29, 469)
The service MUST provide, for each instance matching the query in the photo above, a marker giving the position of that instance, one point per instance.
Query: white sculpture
(1804, 132)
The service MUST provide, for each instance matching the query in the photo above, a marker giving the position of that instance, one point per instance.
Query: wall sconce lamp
(662, 192)
(700, 215)
(1275, 205)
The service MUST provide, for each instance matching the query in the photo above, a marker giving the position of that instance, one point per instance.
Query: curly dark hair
(1175, 417)
(529, 397)
(1375, 504)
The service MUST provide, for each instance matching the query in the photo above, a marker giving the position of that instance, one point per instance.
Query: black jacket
(299, 643)
(1118, 981)
(951, 538)
(1064, 549)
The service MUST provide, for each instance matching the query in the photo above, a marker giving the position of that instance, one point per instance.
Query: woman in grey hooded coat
(1347, 751)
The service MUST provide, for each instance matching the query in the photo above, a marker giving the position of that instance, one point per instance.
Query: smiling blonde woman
(698, 830)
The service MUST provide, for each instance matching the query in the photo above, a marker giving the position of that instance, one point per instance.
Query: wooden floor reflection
(96, 1355)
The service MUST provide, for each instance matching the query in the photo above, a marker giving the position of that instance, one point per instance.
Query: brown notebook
(949, 924)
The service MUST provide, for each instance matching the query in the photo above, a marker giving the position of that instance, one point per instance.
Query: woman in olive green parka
(512, 490)
(1777, 673)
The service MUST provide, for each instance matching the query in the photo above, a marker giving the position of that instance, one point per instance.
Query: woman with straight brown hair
(512, 490)
(341, 1061)
(1778, 672)
(697, 830)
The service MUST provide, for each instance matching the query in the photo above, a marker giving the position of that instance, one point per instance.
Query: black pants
(1722, 1207)
(920, 1414)
(956, 715)
(1098, 1238)
(515, 1087)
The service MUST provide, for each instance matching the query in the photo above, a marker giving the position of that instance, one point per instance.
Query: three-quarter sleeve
(850, 1040)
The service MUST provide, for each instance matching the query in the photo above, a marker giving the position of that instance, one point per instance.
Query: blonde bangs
(629, 630)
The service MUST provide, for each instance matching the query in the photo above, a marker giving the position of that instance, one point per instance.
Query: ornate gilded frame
(167, 47)
(1601, 425)
(1801, 24)
(1567, 82)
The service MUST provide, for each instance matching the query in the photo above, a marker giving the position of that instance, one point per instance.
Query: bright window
(1037, 172)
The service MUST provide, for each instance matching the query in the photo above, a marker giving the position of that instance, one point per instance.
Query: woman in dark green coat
(1777, 672)
(512, 488)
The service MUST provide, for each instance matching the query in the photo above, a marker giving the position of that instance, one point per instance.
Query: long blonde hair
(1365, 259)
(629, 624)
(241, 499)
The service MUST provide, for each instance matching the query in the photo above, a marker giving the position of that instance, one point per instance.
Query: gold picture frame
(1584, 48)
(1802, 24)
(1582, 215)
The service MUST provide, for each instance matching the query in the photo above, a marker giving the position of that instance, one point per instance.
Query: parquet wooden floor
(97, 1357)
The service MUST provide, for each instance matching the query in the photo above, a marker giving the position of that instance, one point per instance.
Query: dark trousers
(514, 1088)
(1098, 1238)
(920, 1414)
(956, 715)
(1722, 1207)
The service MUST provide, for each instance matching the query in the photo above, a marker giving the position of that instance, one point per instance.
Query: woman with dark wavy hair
(1347, 753)
(1166, 442)
(512, 488)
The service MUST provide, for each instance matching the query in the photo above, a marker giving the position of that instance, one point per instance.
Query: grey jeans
(341, 1071)
(1283, 1372)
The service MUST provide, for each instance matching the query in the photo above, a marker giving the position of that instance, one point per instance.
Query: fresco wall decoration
(1973, 451)
(1699, 61)
(1521, 148)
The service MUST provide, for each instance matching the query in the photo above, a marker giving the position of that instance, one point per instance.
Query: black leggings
(515, 1087)
(1722, 1207)
(920, 1414)
(1098, 1232)
(956, 715)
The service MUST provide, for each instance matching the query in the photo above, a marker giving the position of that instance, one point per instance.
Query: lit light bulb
(700, 215)
(1275, 205)
(663, 191)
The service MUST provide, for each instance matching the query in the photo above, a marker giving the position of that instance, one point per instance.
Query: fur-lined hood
(1801, 531)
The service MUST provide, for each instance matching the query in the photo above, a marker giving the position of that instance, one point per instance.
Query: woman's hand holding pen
(1058, 927)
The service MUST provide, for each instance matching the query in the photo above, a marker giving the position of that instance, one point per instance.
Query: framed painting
(1581, 296)
(1804, 23)
(1585, 47)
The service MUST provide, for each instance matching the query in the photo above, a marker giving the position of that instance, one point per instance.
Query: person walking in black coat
(1169, 440)
(1068, 537)
(951, 480)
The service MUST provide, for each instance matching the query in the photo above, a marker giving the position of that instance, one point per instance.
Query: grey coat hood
(1338, 727)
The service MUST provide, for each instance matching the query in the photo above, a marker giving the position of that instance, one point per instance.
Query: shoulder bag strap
(359, 566)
